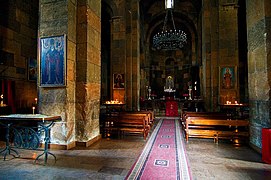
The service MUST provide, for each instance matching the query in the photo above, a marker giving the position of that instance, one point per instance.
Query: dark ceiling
(146, 4)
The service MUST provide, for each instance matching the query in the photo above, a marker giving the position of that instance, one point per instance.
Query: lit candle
(36, 100)
(34, 155)
(2, 98)
(33, 108)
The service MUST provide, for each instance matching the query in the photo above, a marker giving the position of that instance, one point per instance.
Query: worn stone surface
(258, 69)
(78, 102)
(87, 80)
(18, 34)
(113, 158)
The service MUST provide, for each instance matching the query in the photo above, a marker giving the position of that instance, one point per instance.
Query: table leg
(46, 143)
(8, 149)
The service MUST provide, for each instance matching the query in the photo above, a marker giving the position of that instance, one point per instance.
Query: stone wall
(125, 54)
(18, 37)
(228, 51)
(78, 102)
(54, 20)
(220, 50)
(88, 71)
(259, 74)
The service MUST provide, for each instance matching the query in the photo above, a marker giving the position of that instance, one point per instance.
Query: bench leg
(216, 138)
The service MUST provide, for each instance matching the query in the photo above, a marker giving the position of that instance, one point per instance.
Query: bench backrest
(203, 114)
(146, 113)
(132, 121)
(218, 122)
(208, 117)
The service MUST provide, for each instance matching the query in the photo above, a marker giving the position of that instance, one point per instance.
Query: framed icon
(52, 61)
(32, 69)
(118, 81)
(228, 77)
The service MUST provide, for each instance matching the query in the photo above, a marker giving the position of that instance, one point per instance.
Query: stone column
(135, 54)
(210, 52)
(78, 101)
(118, 56)
(129, 54)
(88, 72)
(259, 74)
(228, 50)
(219, 49)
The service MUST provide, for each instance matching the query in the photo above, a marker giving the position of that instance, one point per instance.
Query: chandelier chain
(172, 19)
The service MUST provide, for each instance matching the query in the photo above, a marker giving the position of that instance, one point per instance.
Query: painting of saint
(228, 77)
(118, 81)
(52, 61)
(32, 69)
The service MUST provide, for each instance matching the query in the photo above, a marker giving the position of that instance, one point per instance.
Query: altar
(172, 108)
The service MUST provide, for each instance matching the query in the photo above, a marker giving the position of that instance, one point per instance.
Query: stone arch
(110, 7)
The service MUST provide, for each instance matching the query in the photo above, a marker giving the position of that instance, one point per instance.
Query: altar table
(27, 130)
(172, 108)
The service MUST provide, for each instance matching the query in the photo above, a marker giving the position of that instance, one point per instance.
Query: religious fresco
(227, 77)
(53, 61)
(118, 81)
(32, 69)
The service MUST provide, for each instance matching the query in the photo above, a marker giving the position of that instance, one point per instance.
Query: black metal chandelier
(169, 39)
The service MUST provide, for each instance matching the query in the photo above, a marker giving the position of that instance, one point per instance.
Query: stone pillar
(228, 50)
(55, 20)
(135, 54)
(210, 52)
(125, 57)
(219, 49)
(118, 56)
(259, 74)
(88, 72)
(129, 54)
(78, 101)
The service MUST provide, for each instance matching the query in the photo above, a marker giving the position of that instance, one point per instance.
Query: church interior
(91, 83)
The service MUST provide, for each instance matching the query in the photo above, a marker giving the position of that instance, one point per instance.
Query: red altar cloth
(171, 108)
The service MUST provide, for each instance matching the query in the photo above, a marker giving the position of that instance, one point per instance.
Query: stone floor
(112, 159)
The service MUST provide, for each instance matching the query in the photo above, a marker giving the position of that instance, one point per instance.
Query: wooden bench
(127, 123)
(149, 115)
(216, 128)
(214, 125)
(204, 114)
(133, 124)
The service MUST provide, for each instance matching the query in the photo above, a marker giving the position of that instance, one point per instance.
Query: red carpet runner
(164, 155)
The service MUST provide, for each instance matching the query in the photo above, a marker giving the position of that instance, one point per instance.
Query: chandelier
(169, 39)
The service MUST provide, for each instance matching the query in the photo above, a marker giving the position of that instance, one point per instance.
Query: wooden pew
(202, 115)
(133, 124)
(216, 128)
(148, 115)
(213, 125)
(127, 123)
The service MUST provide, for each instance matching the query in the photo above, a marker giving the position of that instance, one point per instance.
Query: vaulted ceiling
(146, 4)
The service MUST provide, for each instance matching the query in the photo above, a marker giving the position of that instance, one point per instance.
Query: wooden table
(114, 108)
(27, 130)
(235, 110)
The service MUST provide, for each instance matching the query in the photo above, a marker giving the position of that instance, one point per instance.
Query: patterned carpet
(164, 155)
